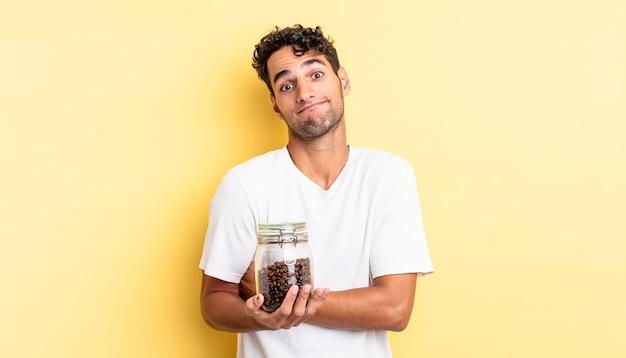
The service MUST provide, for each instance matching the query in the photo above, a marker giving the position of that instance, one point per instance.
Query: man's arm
(223, 308)
(387, 305)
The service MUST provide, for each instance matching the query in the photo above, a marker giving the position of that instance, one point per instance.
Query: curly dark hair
(301, 39)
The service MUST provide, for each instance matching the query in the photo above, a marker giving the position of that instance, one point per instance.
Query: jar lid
(278, 230)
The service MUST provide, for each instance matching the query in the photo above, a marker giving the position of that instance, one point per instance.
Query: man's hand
(247, 285)
(298, 306)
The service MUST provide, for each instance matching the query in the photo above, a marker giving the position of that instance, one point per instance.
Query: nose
(305, 91)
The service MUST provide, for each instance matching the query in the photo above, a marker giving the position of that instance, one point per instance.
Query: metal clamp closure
(289, 239)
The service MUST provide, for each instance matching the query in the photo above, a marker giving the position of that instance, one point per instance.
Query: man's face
(308, 95)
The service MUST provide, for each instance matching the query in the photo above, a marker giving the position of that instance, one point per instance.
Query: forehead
(285, 60)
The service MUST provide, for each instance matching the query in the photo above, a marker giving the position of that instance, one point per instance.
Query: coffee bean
(276, 279)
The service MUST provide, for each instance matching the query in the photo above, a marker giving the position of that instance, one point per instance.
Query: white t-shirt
(367, 224)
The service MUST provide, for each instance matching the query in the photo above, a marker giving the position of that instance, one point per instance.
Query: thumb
(258, 300)
(255, 302)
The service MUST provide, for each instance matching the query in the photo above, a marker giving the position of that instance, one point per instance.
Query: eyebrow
(306, 63)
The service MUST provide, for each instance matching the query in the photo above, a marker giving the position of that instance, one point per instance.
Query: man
(360, 206)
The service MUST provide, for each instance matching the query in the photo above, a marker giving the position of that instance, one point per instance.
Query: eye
(318, 74)
(286, 87)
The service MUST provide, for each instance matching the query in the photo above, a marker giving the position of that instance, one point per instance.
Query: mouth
(310, 106)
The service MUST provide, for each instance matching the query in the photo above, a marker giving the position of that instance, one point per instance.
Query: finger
(283, 312)
(290, 298)
(321, 293)
(317, 299)
(253, 304)
(303, 297)
(298, 315)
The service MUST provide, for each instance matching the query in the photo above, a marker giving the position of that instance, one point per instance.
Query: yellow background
(118, 119)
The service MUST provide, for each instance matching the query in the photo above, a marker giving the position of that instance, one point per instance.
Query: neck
(321, 160)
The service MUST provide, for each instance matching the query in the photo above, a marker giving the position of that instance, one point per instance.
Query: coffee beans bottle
(283, 259)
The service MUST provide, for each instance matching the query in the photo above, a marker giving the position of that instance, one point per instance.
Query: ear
(345, 80)
(275, 107)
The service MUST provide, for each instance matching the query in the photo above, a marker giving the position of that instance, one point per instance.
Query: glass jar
(283, 259)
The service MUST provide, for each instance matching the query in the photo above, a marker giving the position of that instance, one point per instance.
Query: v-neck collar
(302, 177)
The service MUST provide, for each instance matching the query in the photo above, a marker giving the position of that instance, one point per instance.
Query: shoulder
(381, 169)
(377, 159)
(248, 179)
(260, 164)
